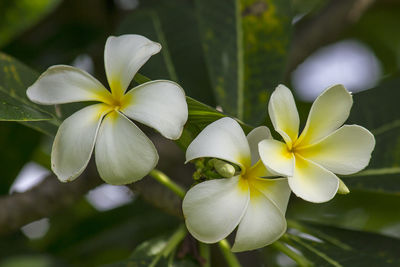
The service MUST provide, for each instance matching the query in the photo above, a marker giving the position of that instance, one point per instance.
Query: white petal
(276, 156)
(313, 183)
(329, 111)
(65, 84)
(223, 139)
(124, 154)
(74, 142)
(277, 190)
(345, 151)
(262, 224)
(160, 105)
(124, 56)
(254, 137)
(213, 209)
(283, 113)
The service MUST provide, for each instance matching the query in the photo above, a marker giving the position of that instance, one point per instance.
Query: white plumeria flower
(214, 208)
(323, 148)
(123, 153)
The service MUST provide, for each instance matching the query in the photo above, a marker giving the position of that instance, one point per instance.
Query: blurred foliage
(230, 53)
(17, 16)
(378, 29)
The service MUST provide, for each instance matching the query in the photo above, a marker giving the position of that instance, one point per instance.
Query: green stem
(228, 254)
(165, 180)
(175, 239)
(204, 250)
(299, 259)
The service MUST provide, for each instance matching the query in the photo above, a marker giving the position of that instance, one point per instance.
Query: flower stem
(299, 259)
(230, 257)
(165, 180)
(204, 250)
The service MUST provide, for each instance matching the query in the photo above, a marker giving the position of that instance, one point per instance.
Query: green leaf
(377, 110)
(12, 109)
(15, 78)
(245, 43)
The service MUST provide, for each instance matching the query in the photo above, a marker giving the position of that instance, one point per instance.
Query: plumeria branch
(43, 200)
(50, 196)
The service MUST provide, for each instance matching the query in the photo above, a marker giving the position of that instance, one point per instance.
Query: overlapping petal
(213, 209)
(254, 137)
(160, 105)
(345, 151)
(223, 139)
(262, 224)
(283, 113)
(65, 84)
(74, 142)
(124, 154)
(124, 56)
(277, 190)
(276, 156)
(312, 182)
(328, 112)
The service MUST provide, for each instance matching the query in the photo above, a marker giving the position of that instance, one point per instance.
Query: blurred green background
(227, 53)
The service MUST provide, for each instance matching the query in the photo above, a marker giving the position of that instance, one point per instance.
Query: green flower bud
(223, 168)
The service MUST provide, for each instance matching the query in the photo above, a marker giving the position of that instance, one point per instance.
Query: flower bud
(223, 168)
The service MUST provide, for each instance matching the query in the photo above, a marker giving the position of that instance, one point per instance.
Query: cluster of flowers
(252, 199)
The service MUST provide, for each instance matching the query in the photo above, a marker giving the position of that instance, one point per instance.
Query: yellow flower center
(118, 102)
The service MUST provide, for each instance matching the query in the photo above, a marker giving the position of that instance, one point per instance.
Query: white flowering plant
(183, 137)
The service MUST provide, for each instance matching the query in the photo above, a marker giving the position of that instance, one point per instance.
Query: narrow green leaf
(245, 43)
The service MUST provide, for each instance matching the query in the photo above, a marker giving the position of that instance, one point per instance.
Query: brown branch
(324, 28)
(51, 196)
(43, 200)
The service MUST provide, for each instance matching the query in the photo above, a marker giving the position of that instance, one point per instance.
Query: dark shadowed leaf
(173, 24)
(377, 109)
(359, 210)
(330, 246)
